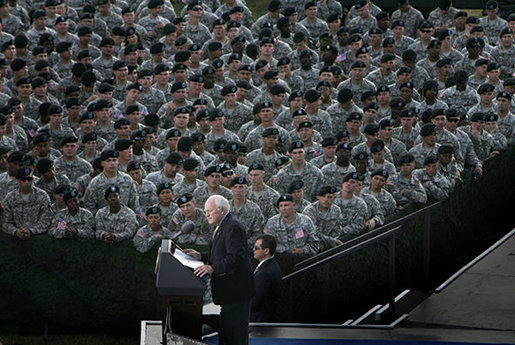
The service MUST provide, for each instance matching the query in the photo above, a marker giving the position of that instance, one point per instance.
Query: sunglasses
(454, 120)
(426, 31)
(256, 248)
(26, 178)
(197, 9)
(227, 173)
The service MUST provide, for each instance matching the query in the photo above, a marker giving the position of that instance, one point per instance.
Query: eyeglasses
(197, 9)
(26, 178)
(227, 173)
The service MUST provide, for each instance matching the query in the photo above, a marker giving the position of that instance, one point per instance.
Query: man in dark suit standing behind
(267, 276)
(228, 262)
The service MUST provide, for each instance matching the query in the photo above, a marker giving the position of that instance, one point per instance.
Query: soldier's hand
(70, 232)
(23, 233)
(370, 224)
(171, 108)
(108, 238)
(298, 251)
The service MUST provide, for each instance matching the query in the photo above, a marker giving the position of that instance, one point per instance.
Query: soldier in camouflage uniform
(212, 175)
(74, 221)
(376, 188)
(49, 181)
(375, 215)
(188, 211)
(264, 196)
(336, 171)
(152, 233)
(482, 141)
(504, 53)
(26, 210)
(326, 217)
(354, 209)
(506, 118)
(301, 170)
(69, 164)
(245, 210)
(170, 172)
(427, 147)
(190, 183)
(166, 203)
(411, 17)
(147, 192)
(492, 24)
(295, 232)
(267, 155)
(436, 185)
(94, 196)
(404, 187)
(461, 96)
(115, 222)
(447, 165)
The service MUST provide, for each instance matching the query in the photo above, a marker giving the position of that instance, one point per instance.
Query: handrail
(364, 237)
(347, 251)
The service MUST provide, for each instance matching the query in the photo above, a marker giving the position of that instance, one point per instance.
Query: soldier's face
(298, 155)
(326, 200)
(287, 208)
(239, 190)
(172, 169)
(406, 169)
(73, 204)
(136, 174)
(256, 176)
(110, 165)
(154, 220)
(378, 182)
(213, 180)
(113, 199)
(166, 196)
(69, 150)
(445, 158)
(431, 169)
(439, 121)
(188, 209)
(503, 104)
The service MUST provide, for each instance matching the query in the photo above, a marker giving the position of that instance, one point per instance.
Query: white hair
(220, 202)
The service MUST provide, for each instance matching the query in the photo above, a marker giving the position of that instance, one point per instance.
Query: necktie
(214, 233)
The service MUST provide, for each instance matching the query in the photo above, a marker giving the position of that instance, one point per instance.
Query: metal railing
(386, 232)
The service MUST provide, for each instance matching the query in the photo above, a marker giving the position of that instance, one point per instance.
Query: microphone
(186, 228)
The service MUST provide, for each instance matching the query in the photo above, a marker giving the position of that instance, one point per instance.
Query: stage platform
(475, 306)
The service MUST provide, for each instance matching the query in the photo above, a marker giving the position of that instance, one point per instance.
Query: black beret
(187, 197)
(23, 172)
(283, 198)
(406, 158)
(445, 149)
(296, 145)
(270, 131)
(354, 116)
(428, 129)
(106, 154)
(213, 169)
(238, 180)
(350, 176)
(371, 129)
(377, 146)
(360, 156)
(486, 87)
(69, 139)
(190, 164)
(44, 165)
(174, 158)
(231, 146)
(296, 185)
(431, 159)
(256, 166)
(345, 95)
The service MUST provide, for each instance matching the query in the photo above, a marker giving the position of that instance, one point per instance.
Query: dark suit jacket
(266, 302)
(232, 279)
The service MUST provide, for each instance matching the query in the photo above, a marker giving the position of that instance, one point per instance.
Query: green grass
(83, 339)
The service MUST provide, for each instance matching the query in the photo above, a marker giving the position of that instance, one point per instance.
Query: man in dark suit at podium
(228, 264)
(268, 279)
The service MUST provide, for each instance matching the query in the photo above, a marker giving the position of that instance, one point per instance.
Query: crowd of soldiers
(119, 119)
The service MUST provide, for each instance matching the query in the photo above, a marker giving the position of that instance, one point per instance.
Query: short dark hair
(268, 241)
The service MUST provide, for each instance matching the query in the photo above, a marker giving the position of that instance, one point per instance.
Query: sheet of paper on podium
(187, 260)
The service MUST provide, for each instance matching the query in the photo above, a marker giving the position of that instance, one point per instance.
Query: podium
(182, 293)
